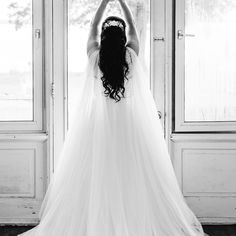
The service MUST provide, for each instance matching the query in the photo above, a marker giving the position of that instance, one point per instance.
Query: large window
(205, 59)
(21, 64)
(80, 14)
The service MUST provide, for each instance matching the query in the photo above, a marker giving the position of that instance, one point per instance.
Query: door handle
(37, 33)
(180, 34)
(190, 35)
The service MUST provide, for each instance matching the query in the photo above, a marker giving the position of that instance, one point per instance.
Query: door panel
(22, 179)
(205, 167)
(203, 138)
(23, 147)
(217, 210)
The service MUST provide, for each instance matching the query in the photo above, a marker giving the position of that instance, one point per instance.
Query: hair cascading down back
(112, 57)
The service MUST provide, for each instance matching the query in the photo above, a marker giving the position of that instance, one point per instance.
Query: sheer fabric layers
(114, 176)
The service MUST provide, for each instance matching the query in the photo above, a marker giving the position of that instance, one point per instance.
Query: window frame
(37, 75)
(180, 124)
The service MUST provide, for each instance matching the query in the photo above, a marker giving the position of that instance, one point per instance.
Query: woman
(114, 176)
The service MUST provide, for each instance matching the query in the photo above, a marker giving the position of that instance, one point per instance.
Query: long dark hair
(112, 57)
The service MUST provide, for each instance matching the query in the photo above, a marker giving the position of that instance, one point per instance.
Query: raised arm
(93, 41)
(133, 40)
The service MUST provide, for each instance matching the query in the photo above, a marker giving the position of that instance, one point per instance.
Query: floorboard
(212, 230)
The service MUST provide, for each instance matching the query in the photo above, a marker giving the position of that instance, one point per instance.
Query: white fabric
(114, 176)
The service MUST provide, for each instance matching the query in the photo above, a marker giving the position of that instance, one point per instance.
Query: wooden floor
(12, 230)
(212, 230)
(220, 230)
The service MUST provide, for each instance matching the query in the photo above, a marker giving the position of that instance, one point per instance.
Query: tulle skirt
(114, 176)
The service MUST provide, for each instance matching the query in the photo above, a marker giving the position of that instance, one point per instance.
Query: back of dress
(114, 175)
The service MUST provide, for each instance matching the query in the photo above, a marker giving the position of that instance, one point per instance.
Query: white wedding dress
(114, 176)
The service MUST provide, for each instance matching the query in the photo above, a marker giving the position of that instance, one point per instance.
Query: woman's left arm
(93, 42)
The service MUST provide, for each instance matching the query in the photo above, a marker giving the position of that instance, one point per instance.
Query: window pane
(210, 56)
(16, 102)
(80, 12)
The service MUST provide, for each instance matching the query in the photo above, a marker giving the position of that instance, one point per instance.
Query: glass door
(21, 65)
(16, 91)
(205, 65)
(80, 14)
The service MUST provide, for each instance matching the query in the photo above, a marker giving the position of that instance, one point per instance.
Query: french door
(44, 46)
(72, 21)
(23, 136)
(21, 66)
(203, 135)
(205, 66)
(149, 22)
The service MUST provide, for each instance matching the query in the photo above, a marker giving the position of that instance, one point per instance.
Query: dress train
(114, 176)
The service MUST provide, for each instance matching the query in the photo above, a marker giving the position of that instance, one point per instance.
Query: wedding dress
(114, 176)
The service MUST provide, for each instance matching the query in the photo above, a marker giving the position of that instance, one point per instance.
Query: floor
(220, 230)
(12, 230)
(212, 230)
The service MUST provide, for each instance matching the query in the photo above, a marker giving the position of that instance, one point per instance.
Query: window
(21, 65)
(79, 17)
(205, 65)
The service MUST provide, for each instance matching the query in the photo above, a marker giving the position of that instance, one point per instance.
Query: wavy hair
(112, 57)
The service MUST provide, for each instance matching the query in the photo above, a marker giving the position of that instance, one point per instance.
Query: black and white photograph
(118, 118)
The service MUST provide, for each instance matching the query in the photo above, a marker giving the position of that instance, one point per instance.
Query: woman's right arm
(133, 40)
(93, 41)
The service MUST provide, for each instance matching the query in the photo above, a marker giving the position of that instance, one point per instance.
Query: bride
(114, 176)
